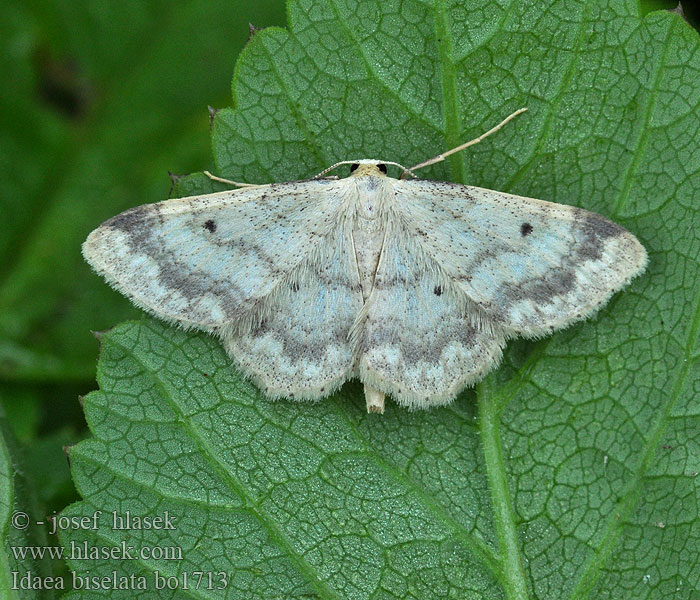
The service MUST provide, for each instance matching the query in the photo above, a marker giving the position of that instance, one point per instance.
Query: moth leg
(374, 399)
(229, 182)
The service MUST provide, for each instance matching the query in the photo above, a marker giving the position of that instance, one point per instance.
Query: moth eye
(353, 167)
(382, 168)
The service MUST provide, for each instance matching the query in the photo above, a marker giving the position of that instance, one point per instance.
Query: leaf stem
(453, 125)
(515, 583)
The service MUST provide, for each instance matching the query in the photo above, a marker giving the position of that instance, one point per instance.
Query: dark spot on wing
(438, 290)
(600, 226)
(294, 286)
(594, 229)
(210, 226)
(143, 226)
(130, 221)
(525, 229)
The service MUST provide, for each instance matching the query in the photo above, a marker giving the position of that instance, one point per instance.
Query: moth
(412, 286)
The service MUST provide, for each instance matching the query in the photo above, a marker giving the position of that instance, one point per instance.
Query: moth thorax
(368, 235)
(369, 197)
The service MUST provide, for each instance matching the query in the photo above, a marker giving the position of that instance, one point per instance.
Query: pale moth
(412, 286)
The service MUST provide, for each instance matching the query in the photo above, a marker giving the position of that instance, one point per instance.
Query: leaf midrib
(513, 576)
(476, 547)
(453, 123)
(596, 562)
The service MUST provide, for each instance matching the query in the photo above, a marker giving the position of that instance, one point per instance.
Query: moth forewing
(532, 266)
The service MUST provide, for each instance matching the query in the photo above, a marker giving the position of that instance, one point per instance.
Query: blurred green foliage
(99, 101)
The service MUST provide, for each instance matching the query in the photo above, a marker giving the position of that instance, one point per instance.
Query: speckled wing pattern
(531, 266)
(208, 261)
(296, 341)
(420, 340)
(413, 286)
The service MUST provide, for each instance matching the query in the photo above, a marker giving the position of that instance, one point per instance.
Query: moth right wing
(206, 261)
(532, 266)
(420, 338)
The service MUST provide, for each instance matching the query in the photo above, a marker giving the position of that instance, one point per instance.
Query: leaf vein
(373, 73)
(299, 118)
(453, 124)
(555, 102)
(220, 467)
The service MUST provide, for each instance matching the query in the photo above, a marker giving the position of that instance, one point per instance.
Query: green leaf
(289, 499)
(571, 471)
(17, 498)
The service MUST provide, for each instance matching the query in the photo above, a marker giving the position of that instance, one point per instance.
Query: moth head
(366, 167)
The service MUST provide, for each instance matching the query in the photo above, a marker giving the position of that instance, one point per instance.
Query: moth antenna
(335, 166)
(404, 169)
(229, 182)
(441, 157)
(407, 172)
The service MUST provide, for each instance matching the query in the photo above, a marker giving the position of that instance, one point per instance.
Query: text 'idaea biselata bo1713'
(412, 286)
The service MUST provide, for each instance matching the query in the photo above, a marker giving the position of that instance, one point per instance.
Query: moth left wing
(532, 266)
(205, 261)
